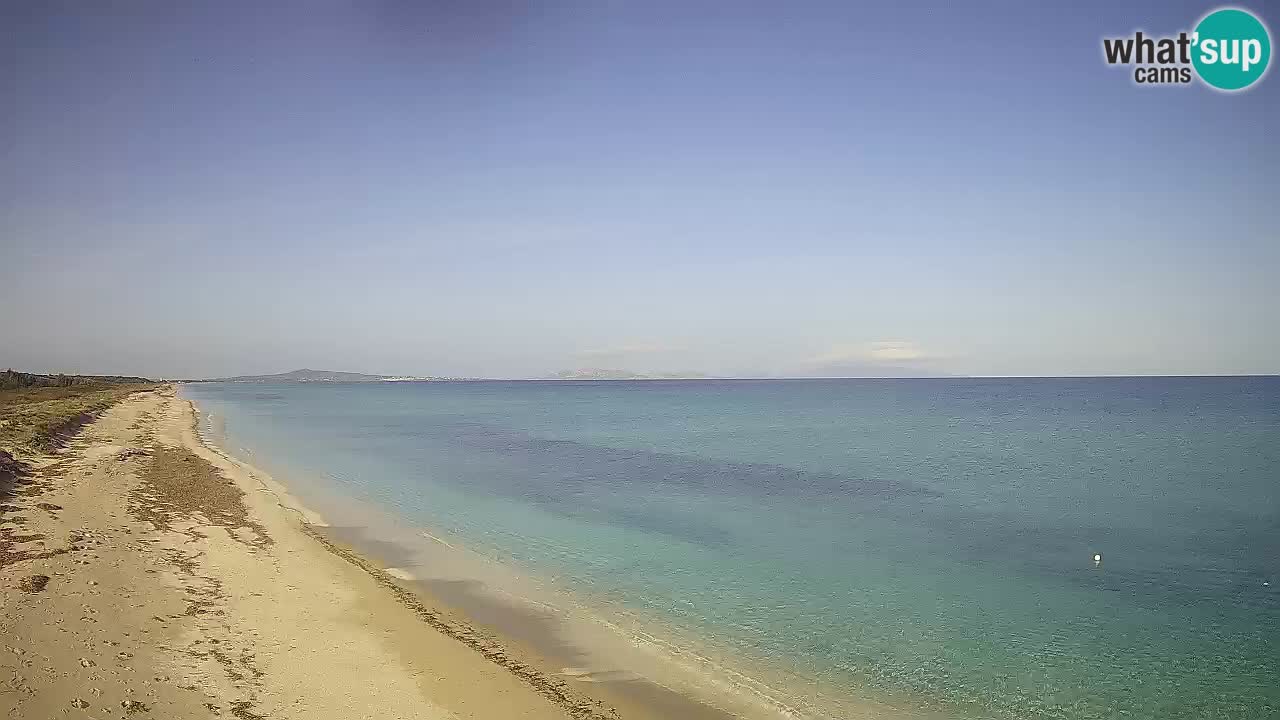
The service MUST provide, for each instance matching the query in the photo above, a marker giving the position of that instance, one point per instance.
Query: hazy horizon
(490, 190)
(666, 376)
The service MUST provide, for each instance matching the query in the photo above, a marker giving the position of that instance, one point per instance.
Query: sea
(1014, 549)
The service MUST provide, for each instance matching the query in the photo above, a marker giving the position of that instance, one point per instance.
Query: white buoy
(1097, 558)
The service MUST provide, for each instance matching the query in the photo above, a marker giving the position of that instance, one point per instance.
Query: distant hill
(308, 375)
(606, 374)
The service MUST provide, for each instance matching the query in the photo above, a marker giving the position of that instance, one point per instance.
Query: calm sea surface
(924, 541)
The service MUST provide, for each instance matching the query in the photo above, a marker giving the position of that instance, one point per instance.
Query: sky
(732, 188)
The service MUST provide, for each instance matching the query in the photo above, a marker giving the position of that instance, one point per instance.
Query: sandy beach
(145, 574)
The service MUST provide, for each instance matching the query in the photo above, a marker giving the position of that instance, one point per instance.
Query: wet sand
(534, 633)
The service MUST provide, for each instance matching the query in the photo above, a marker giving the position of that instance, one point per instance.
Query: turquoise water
(925, 541)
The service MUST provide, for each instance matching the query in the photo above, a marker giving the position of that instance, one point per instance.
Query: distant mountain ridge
(309, 375)
(306, 375)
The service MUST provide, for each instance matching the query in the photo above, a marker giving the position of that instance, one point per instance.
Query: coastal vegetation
(36, 411)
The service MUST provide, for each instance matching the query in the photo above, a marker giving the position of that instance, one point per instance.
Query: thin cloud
(879, 351)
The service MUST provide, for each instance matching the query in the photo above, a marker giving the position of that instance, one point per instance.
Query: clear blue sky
(511, 189)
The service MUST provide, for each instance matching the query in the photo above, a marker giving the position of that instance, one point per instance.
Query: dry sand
(143, 574)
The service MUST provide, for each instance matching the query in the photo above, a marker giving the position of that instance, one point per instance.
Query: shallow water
(920, 541)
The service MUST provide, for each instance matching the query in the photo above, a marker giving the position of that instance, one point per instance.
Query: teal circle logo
(1232, 49)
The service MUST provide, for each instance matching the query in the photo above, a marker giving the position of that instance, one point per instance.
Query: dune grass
(34, 419)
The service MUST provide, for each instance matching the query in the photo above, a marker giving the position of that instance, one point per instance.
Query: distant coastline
(608, 375)
(325, 376)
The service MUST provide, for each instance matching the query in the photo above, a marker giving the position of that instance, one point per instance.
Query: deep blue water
(930, 542)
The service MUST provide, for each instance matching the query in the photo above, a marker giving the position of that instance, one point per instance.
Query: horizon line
(438, 379)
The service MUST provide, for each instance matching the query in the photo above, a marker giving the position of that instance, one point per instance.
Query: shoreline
(635, 662)
(433, 613)
(515, 630)
(150, 577)
(516, 657)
